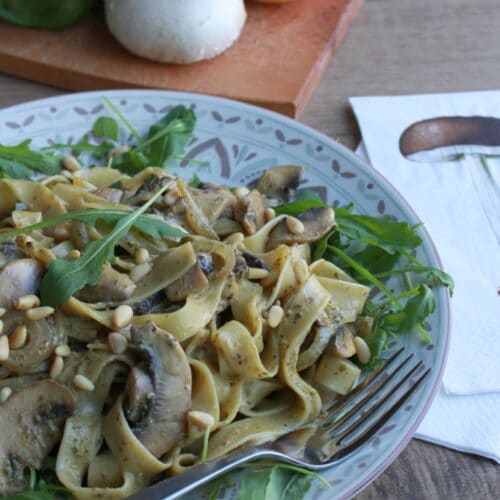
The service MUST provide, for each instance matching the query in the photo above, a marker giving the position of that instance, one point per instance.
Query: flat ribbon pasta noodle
(34, 195)
(301, 310)
(257, 242)
(100, 177)
(237, 347)
(199, 308)
(348, 297)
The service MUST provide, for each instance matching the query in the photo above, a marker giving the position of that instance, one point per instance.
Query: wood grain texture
(276, 63)
(396, 47)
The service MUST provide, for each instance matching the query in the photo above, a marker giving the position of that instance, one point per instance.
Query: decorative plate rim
(349, 156)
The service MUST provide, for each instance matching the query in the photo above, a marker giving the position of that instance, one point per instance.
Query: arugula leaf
(168, 136)
(131, 162)
(437, 276)
(321, 246)
(413, 314)
(195, 181)
(106, 126)
(65, 277)
(272, 481)
(305, 200)
(13, 170)
(377, 342)
(152, 226)
(376, 259)
(22, 154)
(381, 232)
(99, 151)
(43, 485)
(122, 118)
(297, 487)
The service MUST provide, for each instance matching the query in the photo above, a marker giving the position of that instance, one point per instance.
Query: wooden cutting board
(276, 63)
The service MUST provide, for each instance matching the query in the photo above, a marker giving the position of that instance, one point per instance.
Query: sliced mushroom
(9, 251)
(20, 277)
(317, 223)
(193, 281)
(164, 361)
(42, 338)
(279, 182)
(154, 303)
(32, 421)
(254, 261)
(342, 343)
(112, 286)
(140, 392)
(224, 226)
(249, 212)
(206, 262)
(214, 201)
(152, 185)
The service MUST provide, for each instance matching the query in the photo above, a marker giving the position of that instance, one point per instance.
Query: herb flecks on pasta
(148, 324)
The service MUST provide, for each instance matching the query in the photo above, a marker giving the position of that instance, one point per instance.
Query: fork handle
(198, 475)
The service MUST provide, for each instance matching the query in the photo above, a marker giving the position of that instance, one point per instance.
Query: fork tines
(353, 420)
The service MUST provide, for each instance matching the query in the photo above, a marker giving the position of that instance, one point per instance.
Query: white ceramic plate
(238, 142)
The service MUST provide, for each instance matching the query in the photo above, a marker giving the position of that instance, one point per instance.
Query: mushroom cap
(163, 422)
(318, 222)
(176, 31)
(279, 182)
(32, 421)
(18, 278)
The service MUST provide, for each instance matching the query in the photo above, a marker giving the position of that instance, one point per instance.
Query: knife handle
(450, 131)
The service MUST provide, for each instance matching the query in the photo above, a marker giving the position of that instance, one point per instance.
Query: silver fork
(342, 428)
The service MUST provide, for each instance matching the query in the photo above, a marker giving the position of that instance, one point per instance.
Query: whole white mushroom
(176, 31)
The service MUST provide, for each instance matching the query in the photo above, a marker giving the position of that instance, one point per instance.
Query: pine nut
(45, 255)
(56, 367)
(255, 273)
(275, 316)
(2, 311)
(301, 270)
(119, 150)
(294, 225)
(269, 214)
(38, 313)
(67, 174)
(117, 343)
(1, 327)
(4, 347)
(18, 337)
(201, 419)
(83, 383)
(122, 316)
(63, 350)
(140, 271)
(5, 394)
(71, 163)
(362, 350)
(142, 256)
(26, 302)
(241, 192)
(61, 233)
(74, 254)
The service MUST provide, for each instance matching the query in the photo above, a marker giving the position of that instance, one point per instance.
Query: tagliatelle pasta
(198, 355)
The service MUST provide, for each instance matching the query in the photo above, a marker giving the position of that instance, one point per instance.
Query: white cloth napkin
(459, 204)
(465, 414)
(468, 423)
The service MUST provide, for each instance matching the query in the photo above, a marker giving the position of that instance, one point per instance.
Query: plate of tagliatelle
(182, 275)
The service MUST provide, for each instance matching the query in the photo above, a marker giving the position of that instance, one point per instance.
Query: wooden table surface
(396, 47)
